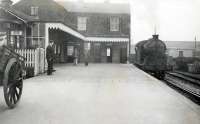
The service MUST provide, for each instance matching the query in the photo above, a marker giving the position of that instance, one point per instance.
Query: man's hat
(51, 41)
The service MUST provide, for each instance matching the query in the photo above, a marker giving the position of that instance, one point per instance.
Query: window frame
(34, 10)
(82, 23)
(70, 50)
(108, 52)
(114, 24)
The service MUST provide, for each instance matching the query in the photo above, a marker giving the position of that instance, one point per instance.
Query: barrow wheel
(12, 83)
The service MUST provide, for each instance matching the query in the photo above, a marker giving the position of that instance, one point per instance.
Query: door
(70, 53)
(123, 55)
(97, 52)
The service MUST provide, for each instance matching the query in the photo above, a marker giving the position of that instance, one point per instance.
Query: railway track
(184, 82)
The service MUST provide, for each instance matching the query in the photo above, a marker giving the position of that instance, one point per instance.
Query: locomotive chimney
(155, 36)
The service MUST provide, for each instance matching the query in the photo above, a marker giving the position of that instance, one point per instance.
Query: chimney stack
(5, 3)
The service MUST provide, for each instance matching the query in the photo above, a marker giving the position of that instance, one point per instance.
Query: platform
(99, 94)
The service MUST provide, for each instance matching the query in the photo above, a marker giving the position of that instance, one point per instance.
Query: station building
(98, 32)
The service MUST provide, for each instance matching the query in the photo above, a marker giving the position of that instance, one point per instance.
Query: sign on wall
(16, 33)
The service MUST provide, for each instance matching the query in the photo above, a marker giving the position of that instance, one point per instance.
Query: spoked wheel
(12, 83)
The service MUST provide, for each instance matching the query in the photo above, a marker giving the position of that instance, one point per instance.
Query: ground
(99, 94)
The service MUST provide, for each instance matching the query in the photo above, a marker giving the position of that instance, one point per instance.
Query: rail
(184, 82)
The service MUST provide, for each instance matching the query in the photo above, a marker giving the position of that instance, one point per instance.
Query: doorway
(70, 54)
(109, 54)
(123, 55)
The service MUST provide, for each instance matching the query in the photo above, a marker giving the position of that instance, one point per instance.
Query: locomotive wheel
(12, 83)
(162, 75)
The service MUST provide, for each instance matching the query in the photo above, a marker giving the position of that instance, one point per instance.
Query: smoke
(175, 20)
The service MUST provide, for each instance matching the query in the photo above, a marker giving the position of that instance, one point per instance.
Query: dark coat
(50, 53)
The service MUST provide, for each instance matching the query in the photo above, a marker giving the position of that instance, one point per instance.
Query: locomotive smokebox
(155, 36)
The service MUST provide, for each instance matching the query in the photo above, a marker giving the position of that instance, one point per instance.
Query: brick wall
(98, 24)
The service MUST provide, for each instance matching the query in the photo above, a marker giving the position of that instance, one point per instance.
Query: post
(128, 52)
(43, 60)
(195, 46)
(36, 62)
(46, 44)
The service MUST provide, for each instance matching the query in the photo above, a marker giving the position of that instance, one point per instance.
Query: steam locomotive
(150, 56)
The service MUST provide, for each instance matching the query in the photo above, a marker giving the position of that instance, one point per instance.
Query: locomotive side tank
(151, 57)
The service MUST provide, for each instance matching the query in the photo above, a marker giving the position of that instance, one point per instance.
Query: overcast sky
(175, 20)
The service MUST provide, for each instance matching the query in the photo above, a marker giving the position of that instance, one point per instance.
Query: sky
(173, 20)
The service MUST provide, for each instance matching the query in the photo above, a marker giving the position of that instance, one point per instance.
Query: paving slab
(99, 94)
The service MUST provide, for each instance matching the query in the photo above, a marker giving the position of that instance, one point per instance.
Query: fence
(35, 58)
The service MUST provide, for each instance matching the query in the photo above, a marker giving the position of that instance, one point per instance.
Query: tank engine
(151, 57)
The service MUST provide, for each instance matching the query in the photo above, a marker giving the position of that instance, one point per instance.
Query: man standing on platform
(50, 57)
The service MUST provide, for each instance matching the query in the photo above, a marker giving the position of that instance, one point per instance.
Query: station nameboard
(3, 38)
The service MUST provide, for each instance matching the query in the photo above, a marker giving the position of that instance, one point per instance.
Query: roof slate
(114, 8)
(49, 10)
(24, 17)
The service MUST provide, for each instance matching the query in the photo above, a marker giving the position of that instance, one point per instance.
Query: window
(97, 44)
(70, 50)
(114, 24)
(55, 48)
(180, 53)
(82, 23)
(34, 11)
(58, 49)
(87, 46)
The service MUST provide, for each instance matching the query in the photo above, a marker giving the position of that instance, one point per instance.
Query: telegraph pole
(195, 46)
(155, 30)
(195, 41)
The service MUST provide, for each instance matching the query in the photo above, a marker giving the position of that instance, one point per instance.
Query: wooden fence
(35, 58)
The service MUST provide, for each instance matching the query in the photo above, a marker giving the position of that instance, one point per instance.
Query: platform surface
(99, 94)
